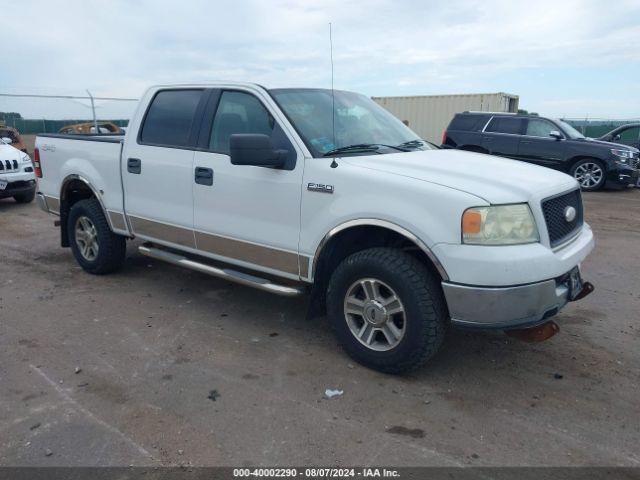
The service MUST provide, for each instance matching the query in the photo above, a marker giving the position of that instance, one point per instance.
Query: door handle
(134, 165)
(525, 142)
(204, 176)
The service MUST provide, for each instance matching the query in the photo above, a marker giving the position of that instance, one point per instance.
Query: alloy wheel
(375, 314)
(86, 238)
(588, 174)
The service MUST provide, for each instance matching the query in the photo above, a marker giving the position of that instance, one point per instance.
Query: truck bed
(93, 159)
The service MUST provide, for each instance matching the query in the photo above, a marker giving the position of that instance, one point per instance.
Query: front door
(538, 146)
(157, 168)
(247, 215)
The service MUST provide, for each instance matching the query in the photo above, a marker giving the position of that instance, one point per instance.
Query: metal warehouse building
(429, 115)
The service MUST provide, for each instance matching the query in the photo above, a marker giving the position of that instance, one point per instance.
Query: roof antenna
(334, 164)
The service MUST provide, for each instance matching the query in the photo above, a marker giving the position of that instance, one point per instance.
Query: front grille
(635, 161)
(8, 165)
(554, 209)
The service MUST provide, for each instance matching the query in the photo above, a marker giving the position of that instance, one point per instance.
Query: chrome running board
(224, 273)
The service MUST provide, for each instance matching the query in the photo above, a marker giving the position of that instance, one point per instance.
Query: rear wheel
(590, 174)
(96, 248)
(387, 310)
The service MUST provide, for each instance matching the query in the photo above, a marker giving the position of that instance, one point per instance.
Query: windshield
(569, 130)
(358, 121)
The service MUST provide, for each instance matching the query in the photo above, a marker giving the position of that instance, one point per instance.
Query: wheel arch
(361, 234)
(74, 188)
(572, 161)
(474, 148)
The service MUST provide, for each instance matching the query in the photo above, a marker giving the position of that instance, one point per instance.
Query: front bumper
(18, 188)
(504, 308)
(622, 176)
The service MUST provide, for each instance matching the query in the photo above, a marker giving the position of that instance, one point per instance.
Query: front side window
(538, 127)
(169, 118)
(505, 125)
(630, 134)
(239, 112)
(327, 122)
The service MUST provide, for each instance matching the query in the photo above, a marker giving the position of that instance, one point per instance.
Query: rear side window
(505, 125)
(468, 123)
(169, 118)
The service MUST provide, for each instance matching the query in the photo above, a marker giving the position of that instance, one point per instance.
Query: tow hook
(587, 288)
(535, 334)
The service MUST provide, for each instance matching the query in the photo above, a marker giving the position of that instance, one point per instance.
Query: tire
(474, 149)
(108, 256)
(590, 174)
(419, 330)
(25, 197)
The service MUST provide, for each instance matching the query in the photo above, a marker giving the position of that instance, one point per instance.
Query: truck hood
(494, 179)
(605, 144)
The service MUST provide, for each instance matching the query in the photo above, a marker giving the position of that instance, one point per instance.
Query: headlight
(623, 155)
(499, 225)
(25, 158)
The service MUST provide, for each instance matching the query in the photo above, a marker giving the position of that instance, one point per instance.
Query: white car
(309, 190)
(17, 177)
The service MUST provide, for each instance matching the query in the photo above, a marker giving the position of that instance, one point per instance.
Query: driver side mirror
(7, 140)
(556, 134)
(255, 149)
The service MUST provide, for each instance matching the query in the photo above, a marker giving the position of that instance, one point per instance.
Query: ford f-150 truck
(300, 190)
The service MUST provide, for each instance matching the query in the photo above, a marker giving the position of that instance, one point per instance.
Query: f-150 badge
(319, 187)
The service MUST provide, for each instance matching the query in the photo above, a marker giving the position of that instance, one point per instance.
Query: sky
(563, 57)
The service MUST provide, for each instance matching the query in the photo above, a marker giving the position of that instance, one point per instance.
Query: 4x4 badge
(319, 187)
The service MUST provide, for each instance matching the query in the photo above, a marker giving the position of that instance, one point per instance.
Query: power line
(67, 97)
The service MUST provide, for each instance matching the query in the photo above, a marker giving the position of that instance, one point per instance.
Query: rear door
(537, 145)
(157, 167)
(247, 215)
(502, 135)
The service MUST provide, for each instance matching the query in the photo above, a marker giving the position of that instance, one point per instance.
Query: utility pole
(93, 109)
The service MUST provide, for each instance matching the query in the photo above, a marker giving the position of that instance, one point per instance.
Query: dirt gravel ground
(156, 365)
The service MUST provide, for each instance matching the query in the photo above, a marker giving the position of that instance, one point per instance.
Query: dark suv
(548, 142)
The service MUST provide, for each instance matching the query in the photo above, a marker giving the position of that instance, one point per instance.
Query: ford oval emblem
(570, 214)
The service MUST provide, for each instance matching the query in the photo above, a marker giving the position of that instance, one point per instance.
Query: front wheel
(97, 249)
(387, 310)
(25, 197)
(590, 174)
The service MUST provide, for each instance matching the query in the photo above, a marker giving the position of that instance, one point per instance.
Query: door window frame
(195, 124)
(484, 130)
(556, 127)
(210, 111)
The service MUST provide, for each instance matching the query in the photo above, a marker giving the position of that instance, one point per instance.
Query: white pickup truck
(307, 190)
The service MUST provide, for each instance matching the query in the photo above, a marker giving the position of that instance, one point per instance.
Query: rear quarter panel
(98, 163)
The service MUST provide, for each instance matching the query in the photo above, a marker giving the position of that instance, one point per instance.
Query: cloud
(381, 47)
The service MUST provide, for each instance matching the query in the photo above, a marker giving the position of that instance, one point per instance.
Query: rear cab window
(170, 117)
(510, 125)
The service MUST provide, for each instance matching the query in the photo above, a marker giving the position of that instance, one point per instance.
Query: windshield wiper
(363, 147)
(412, 143)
